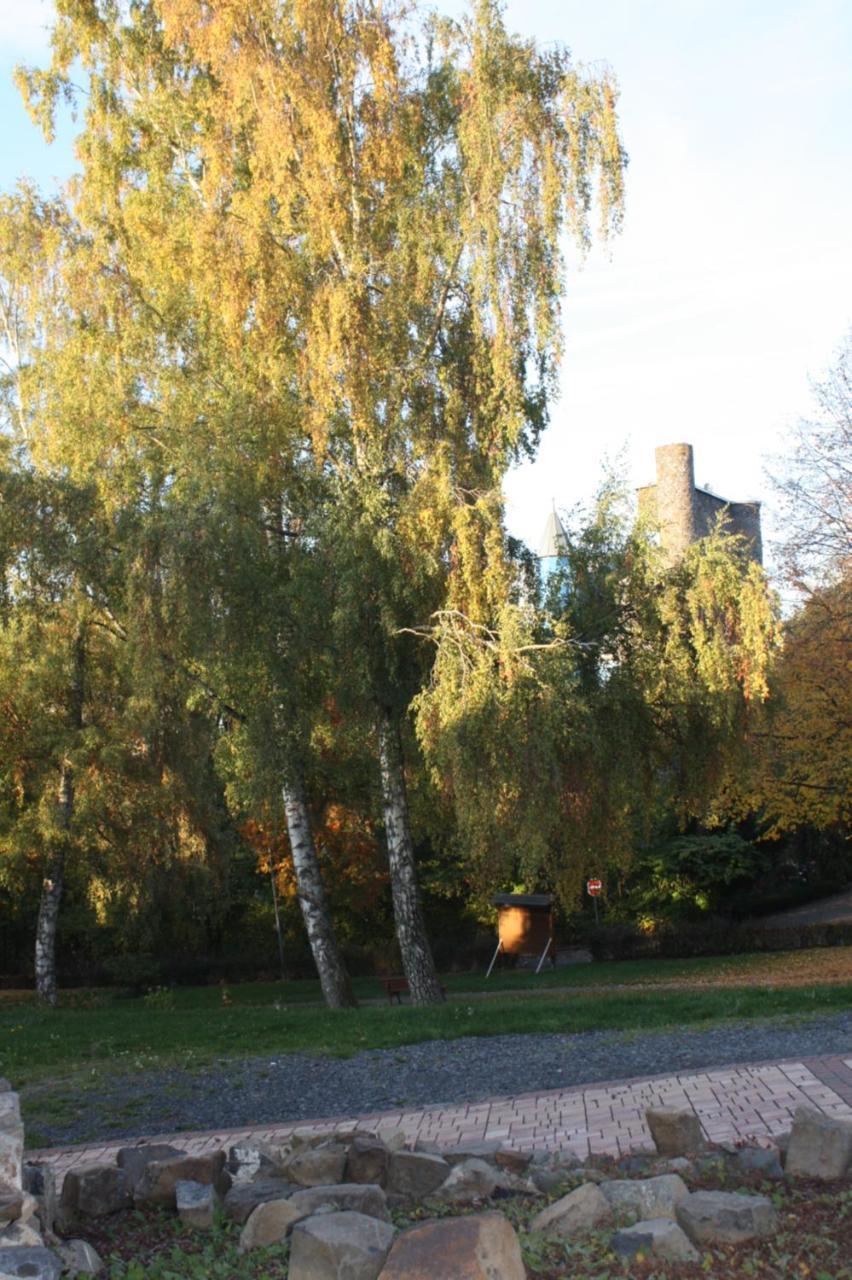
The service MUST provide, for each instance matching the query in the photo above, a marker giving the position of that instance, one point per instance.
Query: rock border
(331, 1195)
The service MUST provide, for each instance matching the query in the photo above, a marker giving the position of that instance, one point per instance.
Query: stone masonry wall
(686, 513)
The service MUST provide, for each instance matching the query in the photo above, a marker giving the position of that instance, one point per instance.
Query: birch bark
(54, 880)
(334, 980)
(417, 962)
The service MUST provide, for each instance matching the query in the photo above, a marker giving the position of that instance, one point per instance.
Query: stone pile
(28, 1245)
(332, 1196)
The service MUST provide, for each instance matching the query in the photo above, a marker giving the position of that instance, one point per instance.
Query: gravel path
(269, 1090)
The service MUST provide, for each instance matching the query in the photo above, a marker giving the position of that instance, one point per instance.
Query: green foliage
(157, 1246)
(801, 774)
(689, 874)
(270, 370)
(563, 737)
(311, 345)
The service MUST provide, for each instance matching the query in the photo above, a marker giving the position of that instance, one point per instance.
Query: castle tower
(685, 513)
(675, 492)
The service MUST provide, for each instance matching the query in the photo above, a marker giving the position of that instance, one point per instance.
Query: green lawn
(132, 1034)
(811, 967)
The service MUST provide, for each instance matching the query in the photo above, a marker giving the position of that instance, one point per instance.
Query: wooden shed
(524, 927)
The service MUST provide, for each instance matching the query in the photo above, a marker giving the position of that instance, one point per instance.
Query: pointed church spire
(553, 543)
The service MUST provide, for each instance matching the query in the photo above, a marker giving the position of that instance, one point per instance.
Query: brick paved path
(739, 1102)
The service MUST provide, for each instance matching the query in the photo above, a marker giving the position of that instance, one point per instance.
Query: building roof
(522, 900)
(553, 540)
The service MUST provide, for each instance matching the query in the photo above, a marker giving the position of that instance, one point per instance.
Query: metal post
(595, 901)
(543, 955)
(494, 959)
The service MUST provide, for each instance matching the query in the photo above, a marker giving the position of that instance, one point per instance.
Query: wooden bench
(397, 987)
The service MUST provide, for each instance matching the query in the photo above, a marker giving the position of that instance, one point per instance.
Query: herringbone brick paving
(737, 1103)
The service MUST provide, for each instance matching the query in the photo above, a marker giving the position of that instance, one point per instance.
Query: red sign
(593, 887)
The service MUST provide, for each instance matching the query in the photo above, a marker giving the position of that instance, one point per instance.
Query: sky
(731, 283)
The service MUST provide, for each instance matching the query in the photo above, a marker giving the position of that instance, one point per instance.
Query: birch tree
(814, 484)
(45, 669)
(367, 211)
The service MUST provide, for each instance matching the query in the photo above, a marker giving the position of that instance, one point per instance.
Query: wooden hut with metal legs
(524, 927)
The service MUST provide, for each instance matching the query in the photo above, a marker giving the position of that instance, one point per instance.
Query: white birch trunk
(336, 987)
(51, 894)
(417, 962)
(54, 881)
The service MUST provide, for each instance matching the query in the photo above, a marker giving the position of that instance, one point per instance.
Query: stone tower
(686, 513)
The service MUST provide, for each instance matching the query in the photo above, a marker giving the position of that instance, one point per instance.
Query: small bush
(159, 998)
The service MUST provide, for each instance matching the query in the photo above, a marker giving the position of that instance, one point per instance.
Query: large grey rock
(395, 1139)
(763, 1160)
(513, 1161)
(357, 1196)
(95, 1190)
(35, 1264)
(368, 1160)
(658, 1238)
(196, 1204)
(5, 1085)
(515, 1183)
(29, 1209)
(318, 1166)
(157, 1184)
(563, 1159)
(301, 1139)
(675, 1133)
(580, 1211)
(21, 1235)
(11, 1141)
(820, 1147)
(135, 1160)
(270, 1223)
(79, 1258)
(339, 1246)
(725, 1217)
(244, 1197)
(546, 1179)
(673, 1164)
(253, 1159)
(471, 1180)
(647, 1198)
(415, 1173)
(40, 1181)
(485, 1149)
(480, 1246)
(11, 1204)
(639, 1162)
(426, 1144)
